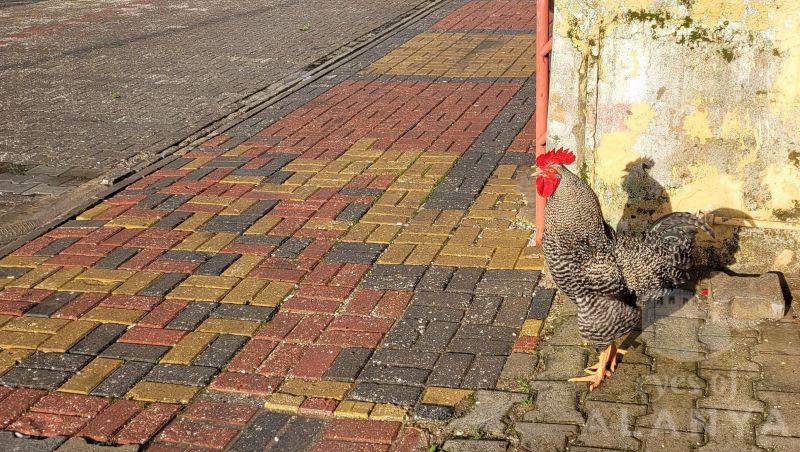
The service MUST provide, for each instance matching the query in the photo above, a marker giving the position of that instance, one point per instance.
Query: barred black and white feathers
(608, 274)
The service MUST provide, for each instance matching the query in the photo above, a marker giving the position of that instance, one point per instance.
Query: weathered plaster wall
(686, 105)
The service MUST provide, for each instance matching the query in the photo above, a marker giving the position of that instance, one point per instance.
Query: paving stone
(442, 299)
(393, 375)
(385, 393)
(487, 413)
(671, 369)
(545, 437)
(609, 425)
(403, 334)
(465, 280)
(442, 315)
(56, 361)
(427, 412)
(729, 430)
(623, 387)
(782, 414)
(730, 390)
(219, 352)
(561, 363)
(779, 338)
(348, 364)
(512, 312)
(116, 258)
(242, 312)
(189, 256)
(482, 309)
(435, 278)
(778, 372)
(450, 370)
(163, 284)
(217, 264)
(51, 304)
(393, 277)
(540, 305)
(81, 445)
(192, 316)
(671, 408)
(121, 380)
(181, 375)
(517, 371)
(292, 247)
(263, 429)
(300, 434)
(100, 338)
(555, 403)
(135, 352)
(749, 297)
(34, 378)
(436, 336)
(404, 358)
(57, 246)
(729, 353)
(11, 443)
(657, 439)
(471, 445)
(484, 372)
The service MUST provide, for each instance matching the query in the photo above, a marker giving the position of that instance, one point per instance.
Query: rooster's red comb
(555, 157)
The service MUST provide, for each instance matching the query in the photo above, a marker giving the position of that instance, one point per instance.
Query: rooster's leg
(613, 355)
(599, 374)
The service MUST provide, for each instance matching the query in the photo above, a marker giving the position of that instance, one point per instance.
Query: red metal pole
(543, 47)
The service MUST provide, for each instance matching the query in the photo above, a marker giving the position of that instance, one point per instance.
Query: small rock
(750, 297)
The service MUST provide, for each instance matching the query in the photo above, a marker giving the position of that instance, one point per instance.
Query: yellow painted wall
(687, 105)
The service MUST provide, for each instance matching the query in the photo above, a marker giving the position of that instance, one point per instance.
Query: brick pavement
(332, 273)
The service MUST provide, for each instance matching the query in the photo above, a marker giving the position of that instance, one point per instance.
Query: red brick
(147, 423)
(412, 440)
(70, 404)
(363, 301)
(90, 249)
(251, 355)
(104, 425)
(203, 208)
(280, 325)
(223, 412)
(350, 275)
(152, 336)
(215, 141)
(5, 391)
(309, 328)
(357, 323)
(70, 232)
(112, 213)
(249, 248)
(196, 433)
(317, 405)
(277, 274)
(245, 383)
(322, 273)
(288, 226)
(45, 424)
(526, 344)
(17, 403)
(99, 235)
(79, 306)
(144, 213)
(282, 359)
(310, 306)
(124, 199)
(159, 243)
(72, 260)
(351, 338)
(122, 237)
(323, 292)
(15, 308)
(25, 295)
(364, 431)
(33, 246)
(315, 361)
(318, 233)
(346, 446)
(141, 260)
(162, 314)
(131, 302)
(393, 304)
(316, 250)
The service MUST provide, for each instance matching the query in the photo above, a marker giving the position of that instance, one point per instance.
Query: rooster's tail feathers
(677, 225)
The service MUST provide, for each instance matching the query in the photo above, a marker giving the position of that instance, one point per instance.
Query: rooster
(607, 275)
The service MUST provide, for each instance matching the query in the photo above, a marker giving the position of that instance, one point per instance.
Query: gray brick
(542, 300)
(189, 256)
(480, 346)
(488, 332)
(13, 272)
(172, 220)
(403, 334)
(348, 364)
(512, 312)
(260, 208)
(56, 361)
(237, 224)
(436, 336)
(181, 375)
(483, 309)
(353, 211)
(434, 313)
(394, 277)
(465, 280)
(35, 378)
(217, 264)
(191, 316)
(436, 278)
(115, 258)
(57, 246)
(442, 299)
(163, 284)
(292, 247)
(151, 201)
(484, 372)
(100, 338)
(122, 379)
(361, 192)
(450, 370)
(380, 373)
(404, 358)
(51, 304)
(243, 312)
(261, 239)
(83, 224)
(219, 352)
(173, 202)
(135, 352)
(262, 431)
(300, 434)
(385, 393)
(279, 177)
(9, 442)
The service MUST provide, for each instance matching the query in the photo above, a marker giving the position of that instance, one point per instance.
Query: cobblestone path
(324, 275)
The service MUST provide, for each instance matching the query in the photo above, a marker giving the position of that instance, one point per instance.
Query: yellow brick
(273, 294)
(422, 255)
(94, 211)
(35, 324)
(467, 251)
(229, 326)
(531, 327)
(464, 236)
(444, 396)
(384, 233)
(18, 339)
(327, 225)
(90, 376)
(504, 258)
(395, 253)
(67, 336)
(359, 232)
(108, 275)
(89, 285)
(196, 293)
(196, 163)
(194, 222)
(5, 280)
(529, 263)
(252, 180)
(132, 222)
(243, 266)
(238, 207)
(216, 243)
(245, 292)
(59, 278)
(284, 402)
(114, 315)
(188, 348)
(353, 409)
(387, 412)
(33, 277)
(214, 282)
(213, 200)
(10, 358)
(460, 261)
(263, 226)
(237, 151)
(150, 391)
(194, 241)
(5, 318)
(421, 239)
(316, 388)
(136, 283)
